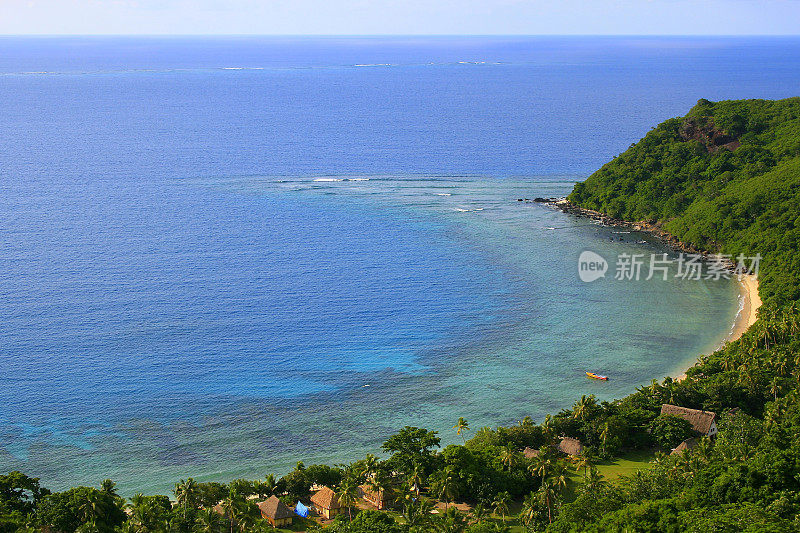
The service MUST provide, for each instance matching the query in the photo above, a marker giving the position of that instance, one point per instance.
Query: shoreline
(746, 316)
(749, 299)
(748, 313)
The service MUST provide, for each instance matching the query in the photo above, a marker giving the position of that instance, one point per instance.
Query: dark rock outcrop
(713, 139)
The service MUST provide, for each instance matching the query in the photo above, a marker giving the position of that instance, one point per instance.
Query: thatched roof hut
(326, 503)
(530, 453)
(378, 498)
(570, 446)
(273, 509)
(325, 498)
(688, 444)
(703, 422)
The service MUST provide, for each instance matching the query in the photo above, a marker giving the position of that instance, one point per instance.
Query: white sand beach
(751, 301)
(748, 288)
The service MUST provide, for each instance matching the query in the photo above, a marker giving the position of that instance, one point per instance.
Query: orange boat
(596, 376)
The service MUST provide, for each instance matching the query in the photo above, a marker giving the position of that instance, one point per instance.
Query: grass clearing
(625, 465)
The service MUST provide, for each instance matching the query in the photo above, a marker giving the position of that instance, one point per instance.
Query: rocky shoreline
(564, 205)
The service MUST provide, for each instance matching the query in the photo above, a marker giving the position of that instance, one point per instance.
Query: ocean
(222, 255)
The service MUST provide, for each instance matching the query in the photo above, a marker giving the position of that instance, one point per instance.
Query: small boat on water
(596, 376)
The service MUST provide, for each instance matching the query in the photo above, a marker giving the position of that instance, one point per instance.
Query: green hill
(724, 178)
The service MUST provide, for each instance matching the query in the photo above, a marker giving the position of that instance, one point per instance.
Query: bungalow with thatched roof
(688, 444)
(325, 503)
(570, 446)
(275, 512)
(703, 422)
(530, 453)
(378, 498)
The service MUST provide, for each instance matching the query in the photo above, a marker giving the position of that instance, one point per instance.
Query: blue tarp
(301, 510)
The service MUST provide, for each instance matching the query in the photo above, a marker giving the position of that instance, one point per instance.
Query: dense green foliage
(741, 200)
(725, 178)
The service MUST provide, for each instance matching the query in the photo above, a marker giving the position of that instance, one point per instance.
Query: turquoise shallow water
(215, 273)
(311, 319)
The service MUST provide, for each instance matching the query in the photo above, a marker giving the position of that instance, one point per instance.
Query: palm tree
(92, 509)
(110, 488)
(267, 487)
(547, 429)
(659, 458)
(380, 482)
(137, 499)
(479, 513)
(781, 364)
(175, 524)
(416, 511)
(509, 457)
(594, 480)
(451, 522)
(500, 504)
(370, 466)
(671, 390)
(775, 388)
(348, 494)
(547, 493)
(727, 364)
(207, 521)
(749, 375)
(526, 422)
(186, 493)
(604, 436)
(447, 486)
(140, 515)
(558, 478)
(582, 461)
(530, 508)
(461, 427)
(237, 510)
(126, 527)
(552, 483)
(541, 466)
(415, 479)
(582, 407)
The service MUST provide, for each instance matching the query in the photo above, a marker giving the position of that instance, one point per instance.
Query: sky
(404, 17)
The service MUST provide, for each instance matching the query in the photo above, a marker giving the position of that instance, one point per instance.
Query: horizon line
(727, 35)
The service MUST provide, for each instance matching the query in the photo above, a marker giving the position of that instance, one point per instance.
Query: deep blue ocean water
(219, 256)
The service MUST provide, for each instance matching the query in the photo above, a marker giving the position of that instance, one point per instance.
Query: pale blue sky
(727, 17)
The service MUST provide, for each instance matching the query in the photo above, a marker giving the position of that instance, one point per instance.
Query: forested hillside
(725, 179)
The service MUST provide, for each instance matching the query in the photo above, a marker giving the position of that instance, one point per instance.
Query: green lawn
(625, 465)
(299, 524)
